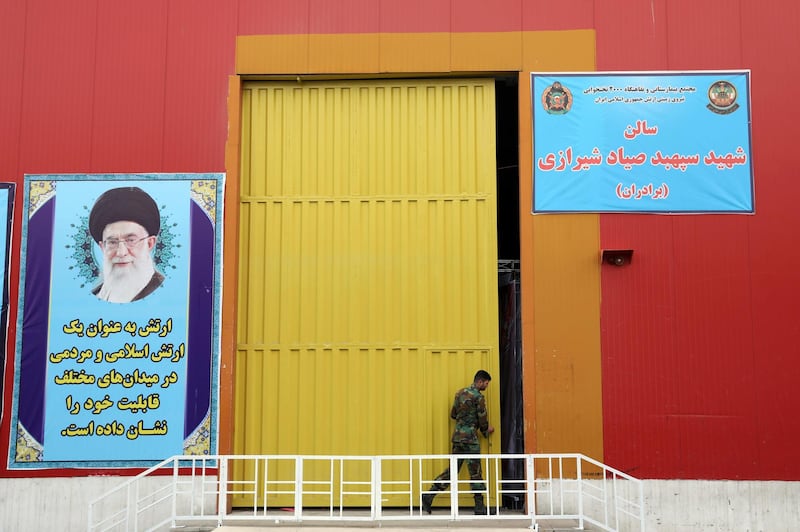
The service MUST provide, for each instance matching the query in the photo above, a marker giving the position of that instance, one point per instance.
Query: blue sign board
(118, 330)
(642, 142)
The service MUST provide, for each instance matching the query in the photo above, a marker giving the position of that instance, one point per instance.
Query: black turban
(124, 204)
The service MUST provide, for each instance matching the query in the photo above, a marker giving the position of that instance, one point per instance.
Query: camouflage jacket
(469, 411)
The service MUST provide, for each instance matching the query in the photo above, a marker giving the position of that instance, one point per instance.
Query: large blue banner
(642, 142)
(119, 319)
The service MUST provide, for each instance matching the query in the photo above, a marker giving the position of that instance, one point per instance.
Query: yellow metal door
(368, 265)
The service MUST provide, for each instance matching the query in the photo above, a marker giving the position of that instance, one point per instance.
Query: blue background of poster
(99, 422)
(72, 300)
(604, 106)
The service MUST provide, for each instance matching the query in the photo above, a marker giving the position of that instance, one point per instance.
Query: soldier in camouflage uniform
(469, 411)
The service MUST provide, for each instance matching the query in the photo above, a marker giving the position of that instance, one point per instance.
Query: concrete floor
(461, 526)
(358, 520)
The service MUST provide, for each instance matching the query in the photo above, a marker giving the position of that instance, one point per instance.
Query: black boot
(480, 508)
(427, 501)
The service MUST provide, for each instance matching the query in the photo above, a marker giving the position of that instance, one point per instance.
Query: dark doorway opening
(508, 279)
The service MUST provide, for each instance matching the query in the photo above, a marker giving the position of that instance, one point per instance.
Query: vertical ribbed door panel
(368, 279)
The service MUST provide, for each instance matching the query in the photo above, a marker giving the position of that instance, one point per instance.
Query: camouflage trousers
(473, 466)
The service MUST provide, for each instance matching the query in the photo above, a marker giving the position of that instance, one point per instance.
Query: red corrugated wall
(699, 341)
(699, 334)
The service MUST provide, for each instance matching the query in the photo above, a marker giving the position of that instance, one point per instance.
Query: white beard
(122, 285)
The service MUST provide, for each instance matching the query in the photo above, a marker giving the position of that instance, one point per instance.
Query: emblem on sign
(722, 98)
(557, 99)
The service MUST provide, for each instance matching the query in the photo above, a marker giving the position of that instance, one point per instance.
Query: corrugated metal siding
(197, 67)
(88, 124)
(56, 118)
(367, 282)
(699, 335)
(260, 17)
(566, 351)
(133, 54)
(773, 258)
(560, 300)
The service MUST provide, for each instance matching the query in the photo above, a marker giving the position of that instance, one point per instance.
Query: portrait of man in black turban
(125, 223)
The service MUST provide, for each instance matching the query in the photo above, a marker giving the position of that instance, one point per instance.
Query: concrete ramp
(460, 526)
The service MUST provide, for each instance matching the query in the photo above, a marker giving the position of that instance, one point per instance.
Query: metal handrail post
(377, 475)
(605, 497)
(498, 482)
(531, 489)
(614, 494)
(175, 471)
(453, 487)
(222, 497)
(298, 488)
(579, 471)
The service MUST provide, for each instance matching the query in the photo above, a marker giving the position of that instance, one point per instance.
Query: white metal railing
(241, 489)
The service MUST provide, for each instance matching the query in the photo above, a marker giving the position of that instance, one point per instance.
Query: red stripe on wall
(128, 98)
(540, 15)
(275, 17)
(480, 15)
(770, 42)
(700, 342)
(199, 52)
(343, 16)
(634, 35)
(415, 16)
(12, 45)
(58, 84)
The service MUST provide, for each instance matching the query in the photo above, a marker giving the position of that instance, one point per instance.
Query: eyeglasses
(112, 244)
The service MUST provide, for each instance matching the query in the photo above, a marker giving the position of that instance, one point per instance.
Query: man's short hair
(128, 204)
(482, 375)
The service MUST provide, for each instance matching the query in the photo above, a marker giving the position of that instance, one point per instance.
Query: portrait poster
(649, 142)
(118, 331)
(6, 217)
